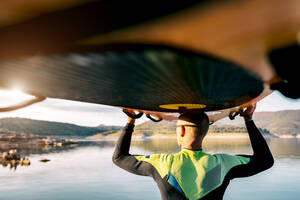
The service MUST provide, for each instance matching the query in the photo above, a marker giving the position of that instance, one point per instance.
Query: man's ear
(182, 131)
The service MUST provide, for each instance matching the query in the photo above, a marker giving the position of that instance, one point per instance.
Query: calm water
(86, 172)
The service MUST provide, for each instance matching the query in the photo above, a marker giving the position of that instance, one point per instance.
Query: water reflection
(41, 149)
(157, 145)
(87, 172)
(15, 157)
(279, 147)
(289, 147)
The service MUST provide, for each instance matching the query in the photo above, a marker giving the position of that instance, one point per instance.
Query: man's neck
(192, 147)
(198, 149)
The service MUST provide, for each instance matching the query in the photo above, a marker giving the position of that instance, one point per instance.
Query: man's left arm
(261, 159)
(123, 159)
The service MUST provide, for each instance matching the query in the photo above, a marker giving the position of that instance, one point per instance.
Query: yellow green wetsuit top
(192, 174)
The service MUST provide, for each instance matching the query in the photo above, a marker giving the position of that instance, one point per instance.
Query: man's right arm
(124, 159)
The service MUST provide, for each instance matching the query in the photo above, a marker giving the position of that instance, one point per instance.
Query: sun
(17, 93)
(13, 96)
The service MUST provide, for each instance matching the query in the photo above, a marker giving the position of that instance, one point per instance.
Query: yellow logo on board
(187, 106)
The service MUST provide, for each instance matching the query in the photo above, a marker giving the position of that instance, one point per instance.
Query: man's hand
(131, 120)
(248, 112)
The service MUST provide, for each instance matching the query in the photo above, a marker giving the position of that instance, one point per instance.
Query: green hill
(149, 128)
(46, 128)
(280, 122)
(167, 128)
(152, 128)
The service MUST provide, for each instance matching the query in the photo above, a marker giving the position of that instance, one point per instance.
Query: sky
(87, 114)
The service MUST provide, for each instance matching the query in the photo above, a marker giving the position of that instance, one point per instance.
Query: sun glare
(14, 93)
(13, 96)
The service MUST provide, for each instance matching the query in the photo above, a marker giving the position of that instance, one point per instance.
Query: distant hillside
(167, 128)
(46, 128)
(152, 128)
(280, 122)
(148, 128)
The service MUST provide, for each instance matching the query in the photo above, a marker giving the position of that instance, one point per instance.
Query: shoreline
(13, 140)
(210, 136)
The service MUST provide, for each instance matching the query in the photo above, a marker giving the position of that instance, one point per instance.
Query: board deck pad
(148, 78)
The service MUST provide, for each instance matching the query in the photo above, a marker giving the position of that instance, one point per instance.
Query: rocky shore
(13, 144)
(12, 140)
(13, 159)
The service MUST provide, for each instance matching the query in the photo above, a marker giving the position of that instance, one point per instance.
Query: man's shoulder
(161, 162)
(155, 157)
(232, 159)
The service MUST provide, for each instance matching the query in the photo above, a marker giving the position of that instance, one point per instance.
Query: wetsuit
(194, 174)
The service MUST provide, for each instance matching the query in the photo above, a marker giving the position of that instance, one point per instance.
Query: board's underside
(146, 55)
(142, 77)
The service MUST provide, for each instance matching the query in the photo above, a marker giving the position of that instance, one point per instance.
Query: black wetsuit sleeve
(123, 159)
(261, 159)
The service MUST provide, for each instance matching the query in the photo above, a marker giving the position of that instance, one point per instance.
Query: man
(192, 173)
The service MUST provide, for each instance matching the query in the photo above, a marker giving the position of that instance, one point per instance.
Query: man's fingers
(253, 107)
(131, 111)
(247, 110)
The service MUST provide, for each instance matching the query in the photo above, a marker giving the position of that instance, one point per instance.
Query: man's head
(191, 129)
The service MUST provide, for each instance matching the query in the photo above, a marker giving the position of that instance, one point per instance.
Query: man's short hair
(197, 118)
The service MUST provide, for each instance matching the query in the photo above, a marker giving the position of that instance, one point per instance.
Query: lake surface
(86, 172)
